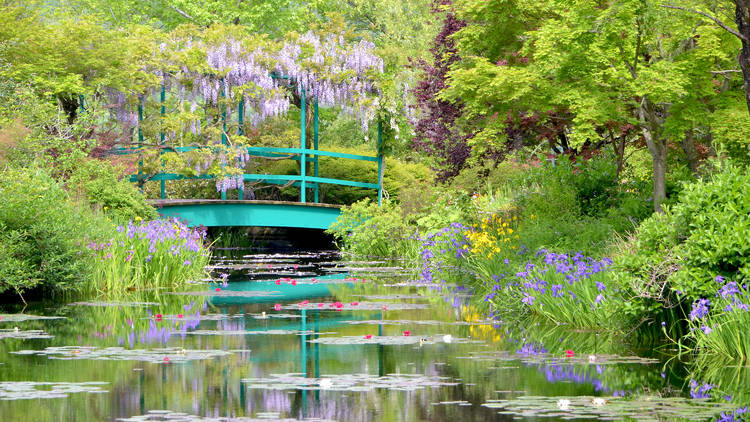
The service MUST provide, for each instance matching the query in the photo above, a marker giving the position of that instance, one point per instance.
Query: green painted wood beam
(236, 213)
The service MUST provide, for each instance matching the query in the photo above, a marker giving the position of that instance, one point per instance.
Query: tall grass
(148, 255)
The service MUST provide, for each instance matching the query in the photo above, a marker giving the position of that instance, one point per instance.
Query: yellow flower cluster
(492, 235)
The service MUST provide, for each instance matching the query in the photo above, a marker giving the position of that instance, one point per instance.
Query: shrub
(42, 233)
(675, 256)
(99, 183)
(366, 229)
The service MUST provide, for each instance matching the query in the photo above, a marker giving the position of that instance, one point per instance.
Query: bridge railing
(302, 180)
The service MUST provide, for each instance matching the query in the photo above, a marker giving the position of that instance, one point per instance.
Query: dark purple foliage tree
(436, 130)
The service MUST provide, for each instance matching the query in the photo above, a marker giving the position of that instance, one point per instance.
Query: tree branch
(184, 15)
(716, 20)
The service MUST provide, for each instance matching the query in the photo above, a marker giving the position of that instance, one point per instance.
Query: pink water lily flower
(277, 307)
(368, 336)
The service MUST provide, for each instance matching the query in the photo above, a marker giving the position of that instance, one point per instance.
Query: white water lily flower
(563, 404)
(592, 358)
(447, 338)
(598, 401)
(325, 383)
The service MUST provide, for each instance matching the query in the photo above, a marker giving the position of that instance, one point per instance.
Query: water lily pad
(120, 353)
(391, 340)
(28, 390)
(274, 315)
(248, 332)
(113, 304)
(361, 306)
(393, 297)
(546, 358)
(416, 322)
(228, 293)
(23, 334)
(25, 317)
(641, 408)
(349, 382)
(170, 416)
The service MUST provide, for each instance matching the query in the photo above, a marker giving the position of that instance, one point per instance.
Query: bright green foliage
(99, 183)
(42, 234)
(676, 256)
(368, 230)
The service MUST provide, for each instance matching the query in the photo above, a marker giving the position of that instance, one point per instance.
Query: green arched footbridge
(228, 212)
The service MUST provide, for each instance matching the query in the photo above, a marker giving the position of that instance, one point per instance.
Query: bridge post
(224, 126)
(315, 146)
(140, 143)
(163, 98)
(303, 146)
(380, 162)
(240, 115)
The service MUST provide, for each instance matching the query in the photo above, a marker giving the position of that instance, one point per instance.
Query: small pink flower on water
(218, 289)
(179, 315)
(158, 317)
(338, 305)
(166, 359)
(269, 265)
(363, 280)
(407, 333)
(355, 303)
(295, 266)
(294, 282)
(277, 307)
(304, 303)
(278, 282)
(569, 353)
(368, 336)
(385, 307)
(320, 305)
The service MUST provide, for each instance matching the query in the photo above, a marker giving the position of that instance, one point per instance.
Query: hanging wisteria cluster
(267, 79)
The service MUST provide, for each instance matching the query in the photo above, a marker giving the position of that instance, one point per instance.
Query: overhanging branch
(713, 18)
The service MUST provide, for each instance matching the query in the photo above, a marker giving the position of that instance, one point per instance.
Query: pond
(306, 336)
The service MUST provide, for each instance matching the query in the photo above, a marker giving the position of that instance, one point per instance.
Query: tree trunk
(742, 17)
(688, 145)
(651, 128)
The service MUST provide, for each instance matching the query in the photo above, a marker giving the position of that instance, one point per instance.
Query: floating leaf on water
(249, 332)
(393, 297)
(546, 358)
(120, 353)
(113, 304)
(25, 317)
(203, 317)
(23, 334)
(390, 340)
(169, 416)
(228, 293)
(361, 306)
(635, 407)
(348, 382)
(30, 390)
(274, 315)
(416, 322)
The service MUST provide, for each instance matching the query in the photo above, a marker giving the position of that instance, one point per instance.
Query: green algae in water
(120, 353)
(349, 382)
(170, 416)
(23, 334)
(30, 390)
(641, 408)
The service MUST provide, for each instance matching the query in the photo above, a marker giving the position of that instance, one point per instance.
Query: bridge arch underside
(241, 213)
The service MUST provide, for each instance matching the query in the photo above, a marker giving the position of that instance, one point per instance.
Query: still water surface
(295, 337)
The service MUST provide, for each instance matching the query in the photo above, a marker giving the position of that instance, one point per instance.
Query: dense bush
(43, 233)
(675, 257)
(99, 183)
